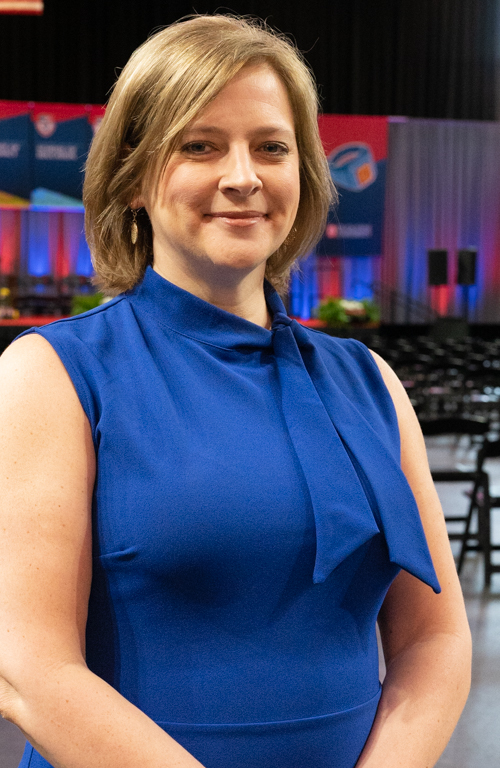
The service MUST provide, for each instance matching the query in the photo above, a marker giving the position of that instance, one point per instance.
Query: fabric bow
(356, 485)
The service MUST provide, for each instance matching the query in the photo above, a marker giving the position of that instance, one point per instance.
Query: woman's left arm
(426, 637)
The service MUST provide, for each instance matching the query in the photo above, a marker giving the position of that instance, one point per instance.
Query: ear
(137, 202)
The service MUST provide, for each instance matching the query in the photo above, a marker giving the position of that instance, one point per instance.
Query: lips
(238, 219)
(237, 214)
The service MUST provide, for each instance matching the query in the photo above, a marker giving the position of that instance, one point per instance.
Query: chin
(240, 261)
(242, 265)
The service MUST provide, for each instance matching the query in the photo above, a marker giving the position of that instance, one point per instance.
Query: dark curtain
(423, 58)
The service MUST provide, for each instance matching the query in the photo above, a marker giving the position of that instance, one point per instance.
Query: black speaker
(437, 261)
(467, 266)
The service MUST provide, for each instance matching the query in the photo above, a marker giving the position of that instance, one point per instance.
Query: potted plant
(349, 313)
(341, 313)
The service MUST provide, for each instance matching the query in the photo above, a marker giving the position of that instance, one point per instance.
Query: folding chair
(474, 427)
(483, 502)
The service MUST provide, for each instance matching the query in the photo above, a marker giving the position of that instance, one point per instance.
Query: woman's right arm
(47, 471)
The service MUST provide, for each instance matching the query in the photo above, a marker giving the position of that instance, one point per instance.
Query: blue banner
(62, 136)
(15, 148)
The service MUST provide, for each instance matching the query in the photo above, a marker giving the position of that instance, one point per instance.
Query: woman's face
(229, 195)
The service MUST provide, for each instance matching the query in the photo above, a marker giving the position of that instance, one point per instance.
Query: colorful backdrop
(43, 148)
(406, 185)
(442, 191)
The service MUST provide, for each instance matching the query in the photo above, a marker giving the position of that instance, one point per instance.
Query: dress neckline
(185, 313)
(326, 427)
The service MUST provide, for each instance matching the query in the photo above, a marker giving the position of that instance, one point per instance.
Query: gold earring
(134, 229)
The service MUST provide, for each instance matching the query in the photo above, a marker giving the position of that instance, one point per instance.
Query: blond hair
(165, 84)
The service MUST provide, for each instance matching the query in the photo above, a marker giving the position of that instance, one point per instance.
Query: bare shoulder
(409, 603)
(28, 358)
(47, 472)
(35, 386)
(396, 389)
(413, 451)
(41, 417)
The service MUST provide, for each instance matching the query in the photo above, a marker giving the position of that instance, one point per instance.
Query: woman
(203, 511)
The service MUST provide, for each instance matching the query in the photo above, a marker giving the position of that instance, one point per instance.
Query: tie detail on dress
(338, 449)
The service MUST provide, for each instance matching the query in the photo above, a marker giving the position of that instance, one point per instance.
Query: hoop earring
(134, 229)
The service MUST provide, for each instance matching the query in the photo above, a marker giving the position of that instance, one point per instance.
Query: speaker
(437, 261)
(467, 266)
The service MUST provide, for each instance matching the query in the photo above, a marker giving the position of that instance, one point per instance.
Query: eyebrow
(263, 130)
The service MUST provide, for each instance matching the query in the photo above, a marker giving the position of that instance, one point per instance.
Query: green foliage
(332, 312)
(84, 301)
(339, 313)
(372, 311)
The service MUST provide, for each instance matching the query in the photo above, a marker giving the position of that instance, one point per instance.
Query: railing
(397, 308)
(400, 309)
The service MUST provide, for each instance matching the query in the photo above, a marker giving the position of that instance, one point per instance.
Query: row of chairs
(481, 503)
(454, 386)
(454, 377)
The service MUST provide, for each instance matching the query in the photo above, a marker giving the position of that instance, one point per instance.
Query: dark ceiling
(421, 58)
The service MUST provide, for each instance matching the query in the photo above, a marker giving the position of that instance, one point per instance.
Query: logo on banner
(45, 125)
(10, 149)
(56, 152)
(349, 231)
(352, 166)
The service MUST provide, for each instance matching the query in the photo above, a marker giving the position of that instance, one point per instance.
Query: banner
(43, 148)
(15, 148)
(27, 7)
(356, 147)
(95, 115)
(62, 136)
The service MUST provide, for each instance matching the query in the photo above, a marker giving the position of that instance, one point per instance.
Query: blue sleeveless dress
(249, 515)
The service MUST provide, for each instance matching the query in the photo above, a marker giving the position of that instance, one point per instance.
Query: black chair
(483, 502)
(477, 429)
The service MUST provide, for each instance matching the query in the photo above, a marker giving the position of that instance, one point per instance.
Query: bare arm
(47, 471)
(425, 636)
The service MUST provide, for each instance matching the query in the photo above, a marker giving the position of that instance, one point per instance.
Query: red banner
(356, 147)
(95, 113)
(28, 7)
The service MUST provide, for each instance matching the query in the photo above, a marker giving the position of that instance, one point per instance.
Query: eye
(275, 148)
(196, 148)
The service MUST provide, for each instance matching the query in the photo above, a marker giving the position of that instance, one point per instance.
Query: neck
(241, 295)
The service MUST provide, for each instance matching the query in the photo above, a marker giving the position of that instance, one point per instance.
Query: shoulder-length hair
(167, 81)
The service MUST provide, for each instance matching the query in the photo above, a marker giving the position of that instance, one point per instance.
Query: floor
(476, 741)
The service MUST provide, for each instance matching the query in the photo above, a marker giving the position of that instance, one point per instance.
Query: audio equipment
(437, 261)
(467, 258)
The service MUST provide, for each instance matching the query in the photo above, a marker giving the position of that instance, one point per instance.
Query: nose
(239, 173)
